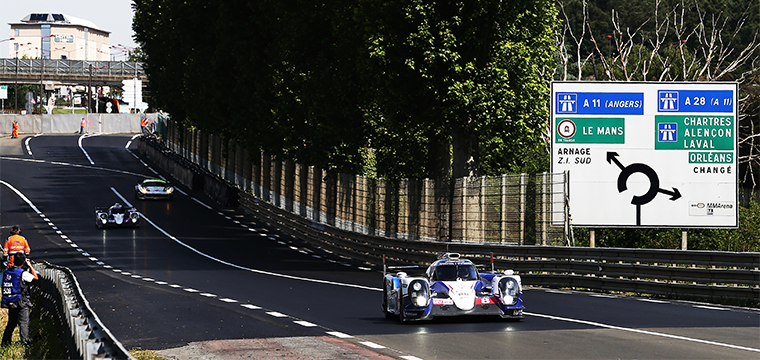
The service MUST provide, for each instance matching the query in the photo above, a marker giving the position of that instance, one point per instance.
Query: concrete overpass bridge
(69, 72)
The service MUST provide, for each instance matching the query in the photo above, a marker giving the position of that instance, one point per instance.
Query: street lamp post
(15, 91)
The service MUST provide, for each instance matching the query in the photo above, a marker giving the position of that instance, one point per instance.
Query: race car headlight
(510, 291)
(103, 216)
(142, 189)
(420, 294)
(169, 190)
(134, 216)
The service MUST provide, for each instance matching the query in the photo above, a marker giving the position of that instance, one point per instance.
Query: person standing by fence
(17, 298)
(16, 244)
(14, 133)
(144, 125)
(82, 125)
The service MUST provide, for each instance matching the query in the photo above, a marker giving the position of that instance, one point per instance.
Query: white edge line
(591, 323)
(85, 151)
(202, 204)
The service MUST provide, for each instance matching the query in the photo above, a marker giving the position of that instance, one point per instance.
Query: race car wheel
(401, 312)
(387, 313)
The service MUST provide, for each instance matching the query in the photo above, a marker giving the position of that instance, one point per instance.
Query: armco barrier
(715, 274)
(81, 332)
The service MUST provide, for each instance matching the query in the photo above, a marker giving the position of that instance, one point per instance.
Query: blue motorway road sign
(597, 103)
(695, 101)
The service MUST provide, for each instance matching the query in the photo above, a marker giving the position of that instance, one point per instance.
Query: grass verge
(42, 331)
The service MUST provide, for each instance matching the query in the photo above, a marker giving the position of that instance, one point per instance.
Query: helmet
(15, 230)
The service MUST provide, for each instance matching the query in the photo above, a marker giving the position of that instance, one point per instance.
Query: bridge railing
(71, 67)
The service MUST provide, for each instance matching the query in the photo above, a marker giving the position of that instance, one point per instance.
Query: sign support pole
(684, 239)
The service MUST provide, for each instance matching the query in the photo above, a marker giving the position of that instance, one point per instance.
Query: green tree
(470, 76)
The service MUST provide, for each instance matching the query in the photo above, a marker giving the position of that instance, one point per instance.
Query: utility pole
(89, 87)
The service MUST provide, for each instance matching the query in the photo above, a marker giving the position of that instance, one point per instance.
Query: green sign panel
(686, 132)
(590, 130)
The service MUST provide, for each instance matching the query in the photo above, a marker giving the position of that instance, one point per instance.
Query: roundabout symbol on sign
(654, 183)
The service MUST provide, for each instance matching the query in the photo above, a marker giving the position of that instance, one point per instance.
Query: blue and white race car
(452, 286)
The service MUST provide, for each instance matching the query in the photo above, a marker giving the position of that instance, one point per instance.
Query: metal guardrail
(713, 274)
(82, 333)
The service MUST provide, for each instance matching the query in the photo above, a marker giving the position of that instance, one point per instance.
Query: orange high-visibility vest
(84, 122)
(144, 122)
(14, 245)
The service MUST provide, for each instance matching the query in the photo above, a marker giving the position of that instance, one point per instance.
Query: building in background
(58, 36)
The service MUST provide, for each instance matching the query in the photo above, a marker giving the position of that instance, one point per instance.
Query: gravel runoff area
(311, 348)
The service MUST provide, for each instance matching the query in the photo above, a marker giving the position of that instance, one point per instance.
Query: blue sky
(114, 16)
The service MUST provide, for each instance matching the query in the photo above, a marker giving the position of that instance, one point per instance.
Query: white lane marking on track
(654, 301)
(372, 345)
(339, 335)
(202, 204)
(178, 241)
(276, 314)
(228, 300)
(85, 151)
(409, 358)
(305, 323)
(28, 147)
(596, 324)
(74, 165)
(130, 141)
(710, 307)
(249, 306)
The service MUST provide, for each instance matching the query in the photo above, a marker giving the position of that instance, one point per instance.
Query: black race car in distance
(116, 215)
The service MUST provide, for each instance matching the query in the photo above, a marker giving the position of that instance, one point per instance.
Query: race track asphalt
(197, 280)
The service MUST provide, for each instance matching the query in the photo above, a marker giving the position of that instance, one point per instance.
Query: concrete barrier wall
(70, 123)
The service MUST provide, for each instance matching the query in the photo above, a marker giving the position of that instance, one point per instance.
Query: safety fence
(509, 209)
(81, 333)
(701, 274)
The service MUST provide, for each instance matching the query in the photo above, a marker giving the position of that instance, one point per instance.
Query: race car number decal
(484, 301)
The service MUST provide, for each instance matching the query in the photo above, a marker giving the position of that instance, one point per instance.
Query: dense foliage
(355, 86)
(419, 88)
